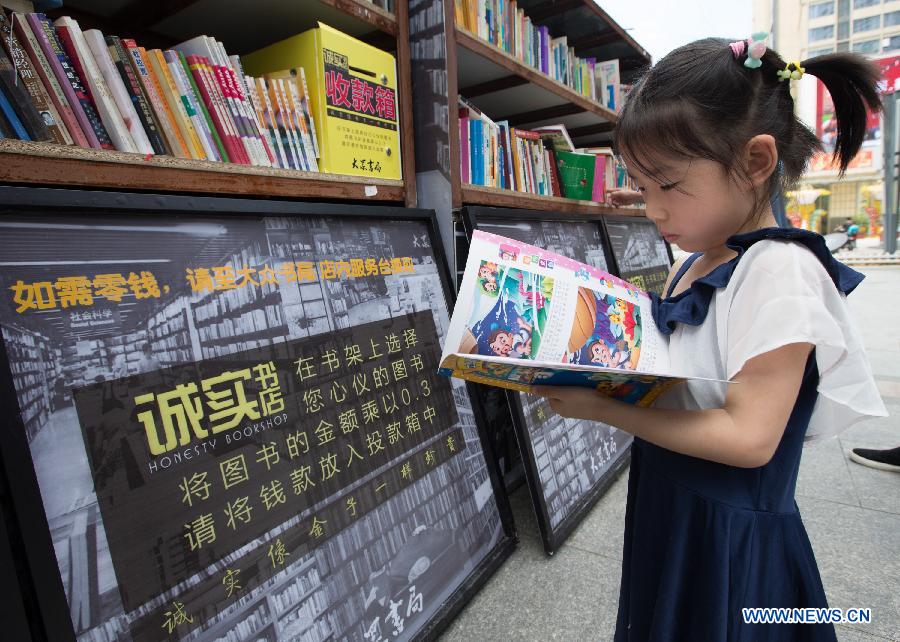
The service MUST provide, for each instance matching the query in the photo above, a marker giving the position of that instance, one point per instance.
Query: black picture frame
(29, 525)
(616, 258)
(553, 535)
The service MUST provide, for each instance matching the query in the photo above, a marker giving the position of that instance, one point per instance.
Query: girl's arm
(745, 433)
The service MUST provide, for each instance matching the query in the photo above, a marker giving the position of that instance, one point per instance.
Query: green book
(203, 110)
(576, 174)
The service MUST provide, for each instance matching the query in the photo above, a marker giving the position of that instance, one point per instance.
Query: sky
(660, 25)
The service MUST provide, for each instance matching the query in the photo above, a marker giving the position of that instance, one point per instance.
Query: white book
(97, 44)
(301, 124)
(106, 105)
(262, 91)
(206, 47)
(234, 63)
(242, 106)
(183, 86)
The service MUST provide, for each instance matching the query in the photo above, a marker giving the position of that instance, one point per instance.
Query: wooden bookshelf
(30, 163)
(243, 27)
(495, 197)
(505, 88)
(560, 99)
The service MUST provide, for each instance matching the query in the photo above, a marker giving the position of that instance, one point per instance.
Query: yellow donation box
(352, 94)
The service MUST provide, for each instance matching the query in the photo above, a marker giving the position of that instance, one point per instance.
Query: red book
(215, 105)
(70, 81)
(45, 72)
(599, 190)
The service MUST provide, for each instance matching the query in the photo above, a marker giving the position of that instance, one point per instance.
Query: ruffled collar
(691, 306)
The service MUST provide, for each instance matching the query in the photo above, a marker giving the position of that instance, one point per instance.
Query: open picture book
(525, 316)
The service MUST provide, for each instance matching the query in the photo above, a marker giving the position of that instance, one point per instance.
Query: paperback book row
(72, 87)
(503, 24)
(541, 161)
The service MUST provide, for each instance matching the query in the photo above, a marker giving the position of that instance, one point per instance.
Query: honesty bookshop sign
(568, 463)
(255, 443)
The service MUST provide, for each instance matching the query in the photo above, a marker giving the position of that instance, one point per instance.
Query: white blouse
(778, 294)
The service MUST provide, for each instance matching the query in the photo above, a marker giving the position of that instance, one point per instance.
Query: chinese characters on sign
(224, 451)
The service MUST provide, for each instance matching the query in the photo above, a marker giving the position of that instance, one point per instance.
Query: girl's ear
(761, 158)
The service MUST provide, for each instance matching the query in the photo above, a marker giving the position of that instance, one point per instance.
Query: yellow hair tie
(791, 71)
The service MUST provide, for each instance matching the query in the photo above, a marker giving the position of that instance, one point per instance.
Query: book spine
(278, 120)
(296, 106)
(200, 69)
(184, 93)
(142, 108)
(254, 100)
(173, 99)
(97, 44)
(259, 93)
(464, 145)
(40, 97)
(288, 123)
(204, 110)
(307, 112)
(237, 74)
(22, 104)
(155, 92)
(219, 76)
(12, 119)
(68, 122)
(94, 88)
(69, 81)
(117, 102)
(261, 154)
(262, 90)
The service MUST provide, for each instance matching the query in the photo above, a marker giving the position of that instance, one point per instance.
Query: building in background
(802, 29)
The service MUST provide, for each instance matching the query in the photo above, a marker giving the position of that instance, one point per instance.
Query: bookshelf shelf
(377, 17)
(492, 196)
(31, 163)
(547, 98)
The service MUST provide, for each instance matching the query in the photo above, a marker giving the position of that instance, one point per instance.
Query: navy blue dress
(704, 540)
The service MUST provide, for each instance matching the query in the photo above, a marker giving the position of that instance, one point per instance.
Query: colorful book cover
(29, 82)
(23, 31)
(72, 85)
(12, 119)
(204, 110)
(96, 41)
(140, 65)
(576, 173)
(525, 316)
(142, 107)
(69, 34)
(215, 103)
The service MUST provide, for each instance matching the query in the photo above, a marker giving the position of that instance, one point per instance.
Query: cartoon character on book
(605, 331)
(509, 312)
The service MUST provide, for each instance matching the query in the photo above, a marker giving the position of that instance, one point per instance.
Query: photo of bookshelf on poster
(525, 316)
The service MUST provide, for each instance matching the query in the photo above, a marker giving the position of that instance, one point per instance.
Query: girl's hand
(575, 402)
(620, 197)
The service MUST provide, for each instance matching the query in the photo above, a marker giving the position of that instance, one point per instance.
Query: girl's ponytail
(852, 81)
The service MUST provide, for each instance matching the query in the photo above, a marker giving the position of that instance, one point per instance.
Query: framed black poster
(229, 422)
(568, 463)
(640, 255)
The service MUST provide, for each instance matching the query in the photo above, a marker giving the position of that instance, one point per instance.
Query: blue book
(12, 118)
(477, 152)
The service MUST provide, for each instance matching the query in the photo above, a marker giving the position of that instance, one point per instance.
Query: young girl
(709, 134)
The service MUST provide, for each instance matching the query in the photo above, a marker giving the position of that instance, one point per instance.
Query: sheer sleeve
(781, 294)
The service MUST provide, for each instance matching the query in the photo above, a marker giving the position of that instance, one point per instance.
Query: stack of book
(541, 161)
(72, 87)
(503, 24)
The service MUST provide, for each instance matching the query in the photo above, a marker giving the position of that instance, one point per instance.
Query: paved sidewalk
(852, 514)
